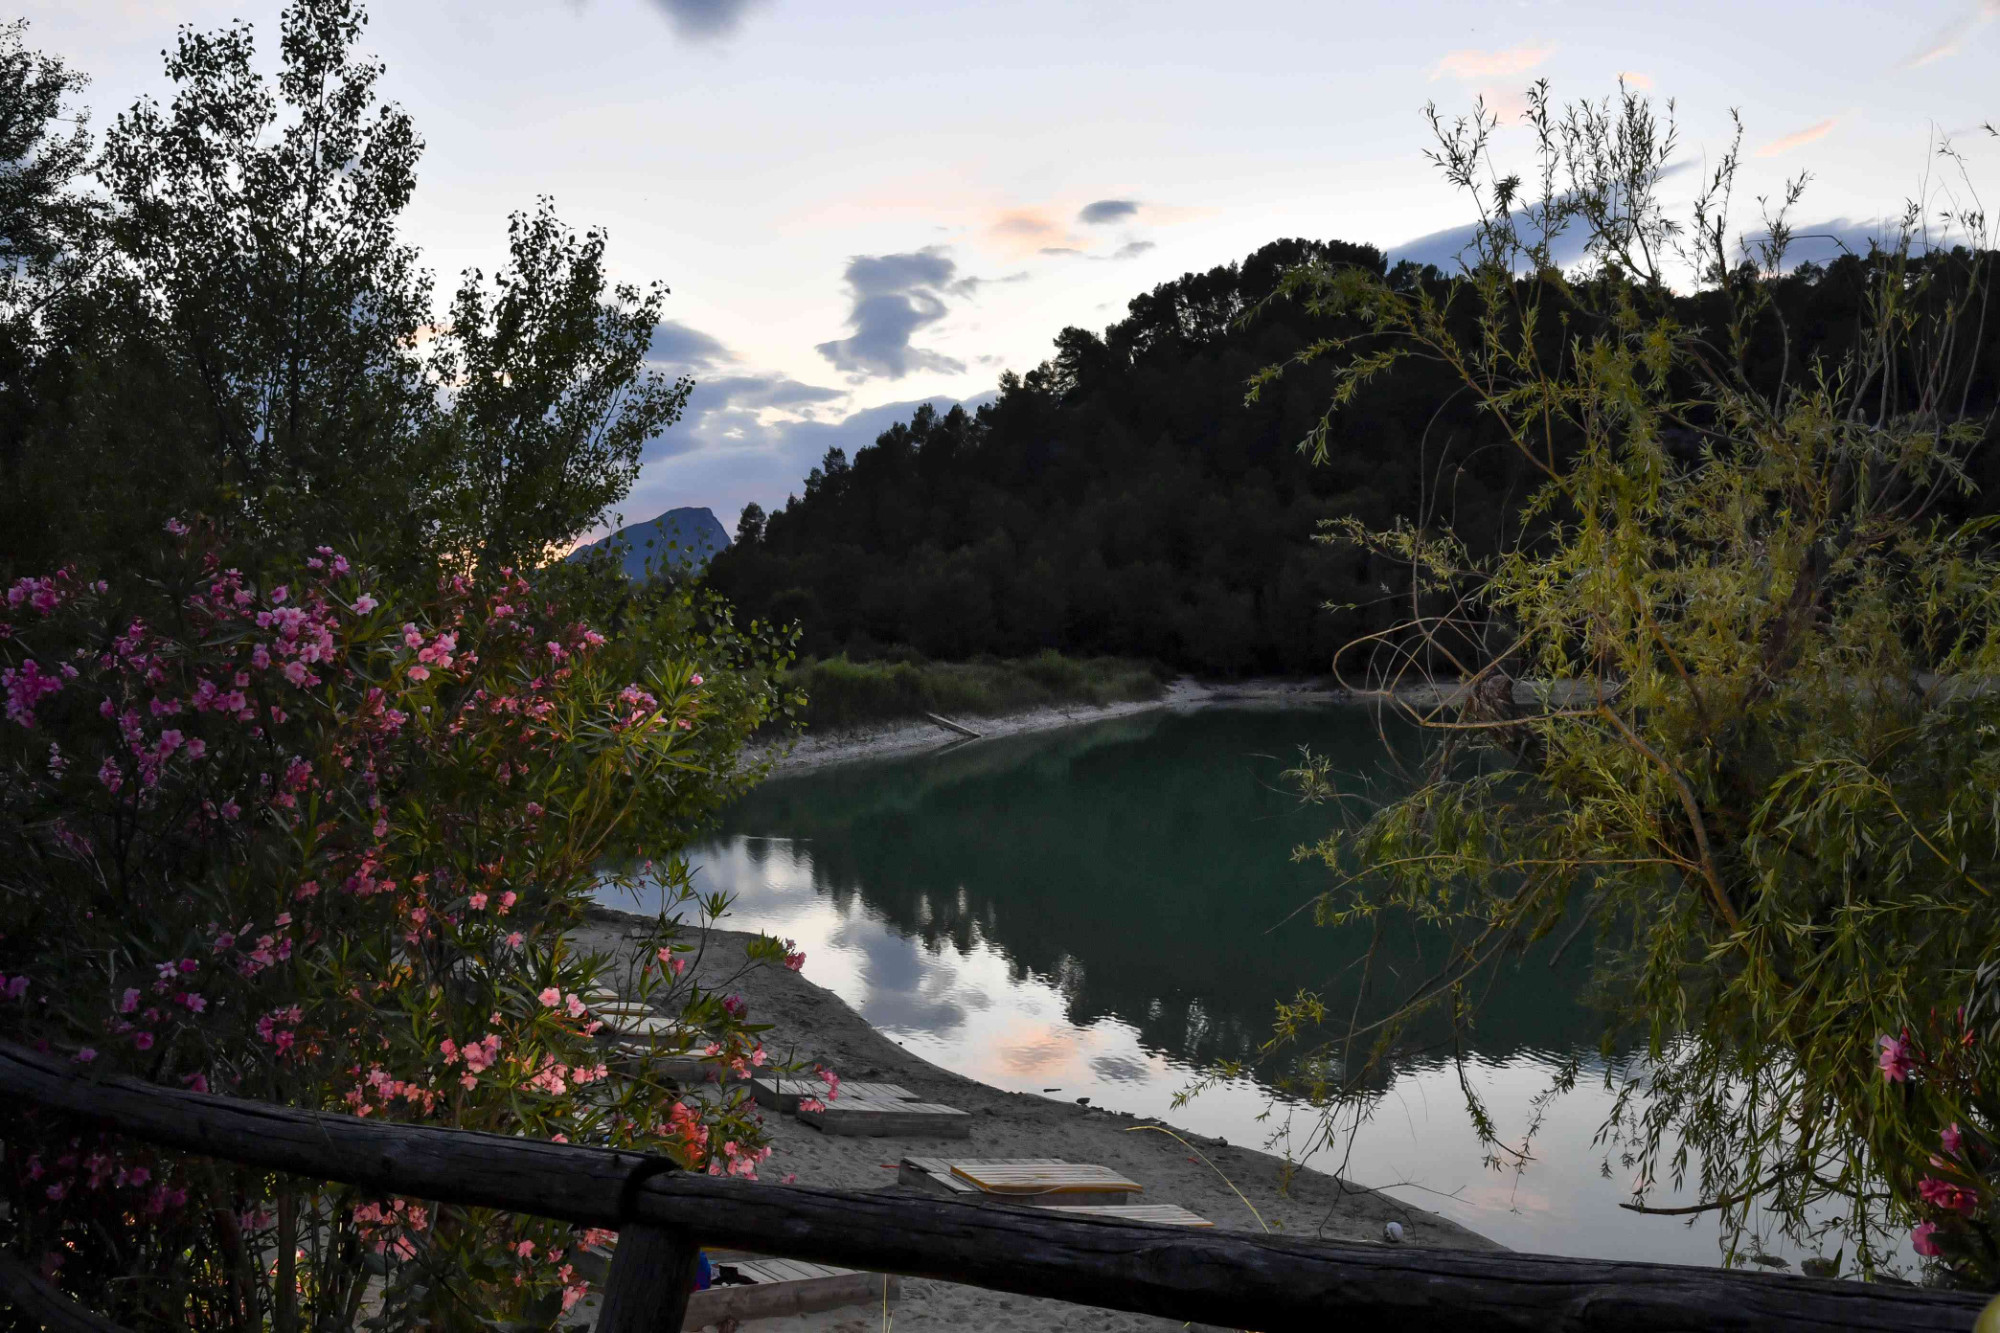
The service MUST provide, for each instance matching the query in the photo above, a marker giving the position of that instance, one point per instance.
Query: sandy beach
(820, 748)
(811, 1023)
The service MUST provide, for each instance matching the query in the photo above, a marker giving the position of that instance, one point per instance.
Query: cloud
(678, 345)
(1949, 39)
(705, 19)
(726, 456)
(1107, 210)
(1129, 250)
(894, 297)
(1800, 139)
(1472, 66)
(1824, 242)
(1029, 229)
(1632, 78)
(1449, 248)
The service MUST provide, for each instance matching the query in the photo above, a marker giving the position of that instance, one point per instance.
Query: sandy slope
(817, 749)
(815, 1024)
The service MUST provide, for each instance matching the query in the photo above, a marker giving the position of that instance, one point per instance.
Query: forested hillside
(1124, 499)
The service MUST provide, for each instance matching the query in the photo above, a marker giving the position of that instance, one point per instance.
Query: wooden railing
(1268, 1283)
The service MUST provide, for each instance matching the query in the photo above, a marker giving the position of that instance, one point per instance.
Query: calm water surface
(1096, 913)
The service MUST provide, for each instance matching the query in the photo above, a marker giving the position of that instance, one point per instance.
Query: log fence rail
(1268, 1283)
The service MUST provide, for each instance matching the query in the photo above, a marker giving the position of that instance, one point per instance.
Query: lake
(1102, 911)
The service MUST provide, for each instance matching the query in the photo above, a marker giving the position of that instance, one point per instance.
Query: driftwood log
(1269, 1283)
(950, 725)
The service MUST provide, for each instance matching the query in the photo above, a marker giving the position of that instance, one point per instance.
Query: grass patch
(844, 693)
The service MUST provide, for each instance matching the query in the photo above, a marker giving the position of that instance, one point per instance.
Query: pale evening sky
(860, 204)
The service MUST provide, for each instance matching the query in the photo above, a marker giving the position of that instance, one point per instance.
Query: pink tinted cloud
(1951, 38)
(1472, 66)
(1021, 231)
(1799, 140)
(1632, 78)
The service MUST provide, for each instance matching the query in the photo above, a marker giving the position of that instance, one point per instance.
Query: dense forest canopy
(1123, 498)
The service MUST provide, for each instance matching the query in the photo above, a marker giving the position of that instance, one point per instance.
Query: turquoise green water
(1101, 912)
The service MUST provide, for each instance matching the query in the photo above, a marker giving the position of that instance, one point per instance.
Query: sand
(813, 1024)
(820, 748)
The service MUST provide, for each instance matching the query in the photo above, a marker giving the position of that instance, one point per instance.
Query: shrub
(1727, 699)
(307, 842)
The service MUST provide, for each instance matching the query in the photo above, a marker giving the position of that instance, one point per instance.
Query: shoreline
(815, 750)
(1236, 1187)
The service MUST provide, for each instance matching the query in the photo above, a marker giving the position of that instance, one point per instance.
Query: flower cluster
(1936, 1076)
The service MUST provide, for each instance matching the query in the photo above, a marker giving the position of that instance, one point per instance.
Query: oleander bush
(306, 840)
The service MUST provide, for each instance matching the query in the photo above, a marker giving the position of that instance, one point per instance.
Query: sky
(862, 205)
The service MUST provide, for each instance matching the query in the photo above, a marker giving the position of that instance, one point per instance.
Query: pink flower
(575, 1006)
(478, 902)
(1948, 1196)
(197, 1082)
(514, 940)
(1922, 1240)
(1895, 1060)
(1953, 1140)
(550, 998)
(694, 680)
(129, 1002)
(144, 1041)
(177, 528)
(507, 900)
(364, 604)
(84, 1056)
(412, 637)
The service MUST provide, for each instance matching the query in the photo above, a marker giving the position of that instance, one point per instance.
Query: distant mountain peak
(676, 540)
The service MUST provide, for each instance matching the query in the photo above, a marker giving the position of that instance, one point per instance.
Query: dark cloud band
(894, 297)
(705, 18)
(1105, 211)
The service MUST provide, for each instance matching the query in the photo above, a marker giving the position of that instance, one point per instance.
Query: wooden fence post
(652, 1276)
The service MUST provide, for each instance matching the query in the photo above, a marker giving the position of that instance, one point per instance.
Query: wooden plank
(683, 1067)
(652, 1279)
(1159, 1214)
(783, 1094)
(890, 1119)
(819, 1288)
(1233, 1279)
(934, 1173)
(1036, 1180)
(624, 1009)
(646, 1025)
